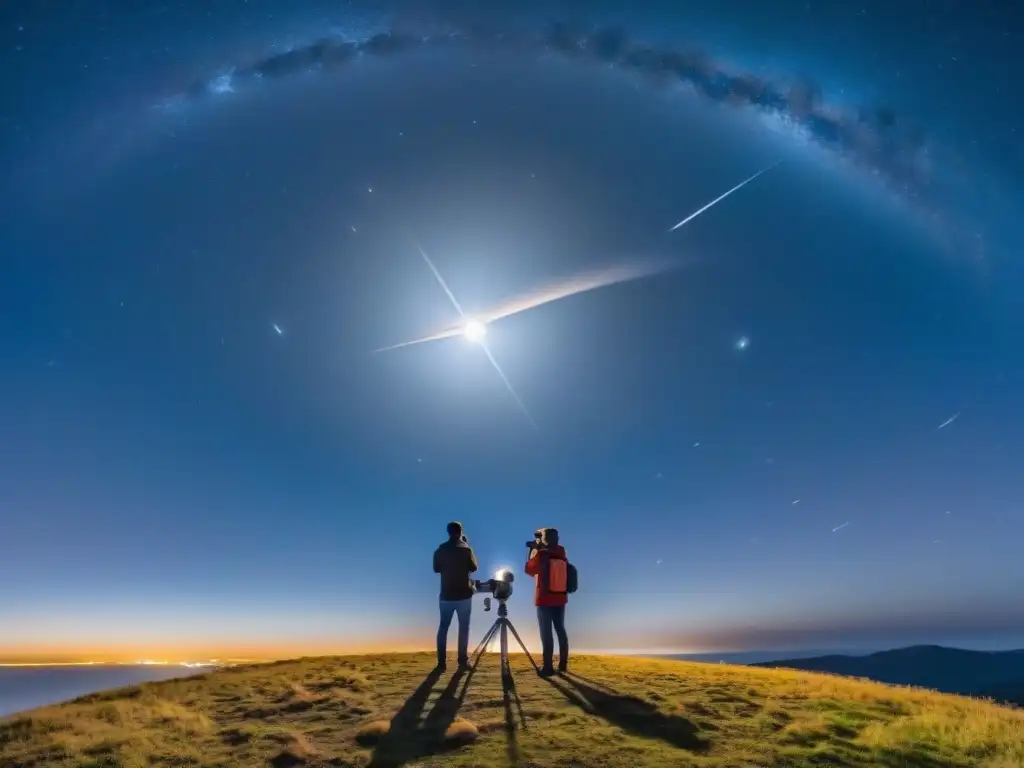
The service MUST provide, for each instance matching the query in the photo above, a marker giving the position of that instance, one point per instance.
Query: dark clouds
(874, 136)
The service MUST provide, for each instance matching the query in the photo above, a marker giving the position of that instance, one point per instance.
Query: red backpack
(562, 578)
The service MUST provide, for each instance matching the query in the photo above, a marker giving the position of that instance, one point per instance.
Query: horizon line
(222, 661)
(198, 661)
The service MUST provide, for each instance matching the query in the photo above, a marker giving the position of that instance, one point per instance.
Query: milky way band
(874, 137)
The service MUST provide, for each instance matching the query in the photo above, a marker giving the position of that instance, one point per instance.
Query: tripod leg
(487, 638)
(522, 645)
(504, 646)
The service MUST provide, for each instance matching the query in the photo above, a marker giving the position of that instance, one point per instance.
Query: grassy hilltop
(388, 710)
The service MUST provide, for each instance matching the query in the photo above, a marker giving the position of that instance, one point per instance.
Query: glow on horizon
(299, 652)
(144, 663)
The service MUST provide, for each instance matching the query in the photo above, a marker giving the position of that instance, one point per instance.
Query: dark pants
(463, 609)
(553, 618)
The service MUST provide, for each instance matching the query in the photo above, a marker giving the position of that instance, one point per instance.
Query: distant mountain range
(992, 674)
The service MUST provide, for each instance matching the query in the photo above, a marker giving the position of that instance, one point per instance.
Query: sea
(23, 688)
(759, 657)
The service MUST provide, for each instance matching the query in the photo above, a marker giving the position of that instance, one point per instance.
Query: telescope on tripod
(501, 588)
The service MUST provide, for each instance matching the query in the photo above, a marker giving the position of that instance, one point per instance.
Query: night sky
(805, 430)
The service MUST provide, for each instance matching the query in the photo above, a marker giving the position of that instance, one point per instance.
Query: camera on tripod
(500, 586)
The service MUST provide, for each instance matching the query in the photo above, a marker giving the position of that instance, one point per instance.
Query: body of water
(23, 688)
(758, 657)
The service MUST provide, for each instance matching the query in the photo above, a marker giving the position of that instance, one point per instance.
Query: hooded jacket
(455, 561)
(536, 566)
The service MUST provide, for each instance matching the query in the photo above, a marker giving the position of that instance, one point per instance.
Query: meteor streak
(722, 197)
(574, 286)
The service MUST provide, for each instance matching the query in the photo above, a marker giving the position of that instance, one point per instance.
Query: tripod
(501, 626)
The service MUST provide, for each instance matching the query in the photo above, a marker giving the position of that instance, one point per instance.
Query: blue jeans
(553, 618)
(449, 607)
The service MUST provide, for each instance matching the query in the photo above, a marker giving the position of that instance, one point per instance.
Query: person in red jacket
(548, 565)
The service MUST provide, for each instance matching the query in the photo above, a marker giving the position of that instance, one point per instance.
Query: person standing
(455, 560)
(549, 566)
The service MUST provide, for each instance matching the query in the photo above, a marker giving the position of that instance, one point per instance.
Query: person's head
(551, 536)
(455, 531)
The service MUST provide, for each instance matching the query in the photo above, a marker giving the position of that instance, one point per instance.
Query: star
(475, 331)
(277, 329)
(742, 343)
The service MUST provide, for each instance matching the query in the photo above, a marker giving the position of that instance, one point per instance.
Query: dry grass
(621, 713)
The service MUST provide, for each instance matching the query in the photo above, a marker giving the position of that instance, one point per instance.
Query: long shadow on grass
(510, 695)
(408, 739)
(886, 759)
(631, 714)
(899, 759)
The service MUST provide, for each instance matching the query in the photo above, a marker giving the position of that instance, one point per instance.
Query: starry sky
(805, 428)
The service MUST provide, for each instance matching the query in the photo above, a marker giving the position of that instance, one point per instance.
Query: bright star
(474, 331)
(742, 343)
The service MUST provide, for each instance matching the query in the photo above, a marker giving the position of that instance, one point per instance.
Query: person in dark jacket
(548, 564)
(455, 561)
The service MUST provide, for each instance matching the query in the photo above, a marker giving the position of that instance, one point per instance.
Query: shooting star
(840, 527)
(574, 286)
(722, 197)
(950, 420)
